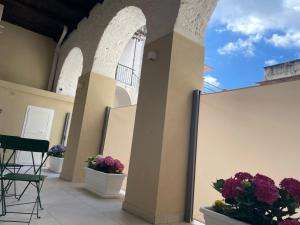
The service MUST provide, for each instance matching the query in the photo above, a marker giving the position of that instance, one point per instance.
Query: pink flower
(265, 189)
(119, 166)
(290, 222)
(243, 176)
(109, 161)
(292, 186)
(99, 160)
(231, 188)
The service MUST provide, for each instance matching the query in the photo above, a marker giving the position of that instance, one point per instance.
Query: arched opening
(115, 38)
(128, 72)
(70, 72)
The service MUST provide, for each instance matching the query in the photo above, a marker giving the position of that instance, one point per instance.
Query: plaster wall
(15, 98)
(254, 130)
(25, 56)
(161, 133)
(119, 135)
(94, 94)
(70, 73)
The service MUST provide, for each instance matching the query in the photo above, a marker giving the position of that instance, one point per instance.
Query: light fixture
(152, 55)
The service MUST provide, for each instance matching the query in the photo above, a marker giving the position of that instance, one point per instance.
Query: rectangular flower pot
(106, 185)
(55, 164)
(213, 218)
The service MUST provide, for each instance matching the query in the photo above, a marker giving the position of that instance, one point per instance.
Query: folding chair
(2, 189)
(36, 179)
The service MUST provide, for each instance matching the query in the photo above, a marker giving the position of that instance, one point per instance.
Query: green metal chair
(35, 178)
(10, 167)
(2, 146)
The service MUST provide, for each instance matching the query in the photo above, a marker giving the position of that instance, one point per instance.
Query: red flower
(292, 186)
(243, 176)
(265, 189)
(290, 222)
(231, 188)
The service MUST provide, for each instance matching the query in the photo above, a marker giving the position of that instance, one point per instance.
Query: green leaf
(219, 184)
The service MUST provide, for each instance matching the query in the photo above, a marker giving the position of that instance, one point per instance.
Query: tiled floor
(69, 204)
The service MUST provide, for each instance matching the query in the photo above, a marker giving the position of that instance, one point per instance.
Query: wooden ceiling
(47, 17)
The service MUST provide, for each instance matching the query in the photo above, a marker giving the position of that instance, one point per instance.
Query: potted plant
(104, 176)
(254, 200)
(56, 158)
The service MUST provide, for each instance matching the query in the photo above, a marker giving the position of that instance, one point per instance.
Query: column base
(150, 217)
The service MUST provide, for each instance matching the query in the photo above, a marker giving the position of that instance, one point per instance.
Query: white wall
(132, 60)
(70, 72)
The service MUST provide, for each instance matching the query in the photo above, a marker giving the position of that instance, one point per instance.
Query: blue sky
(243, 36)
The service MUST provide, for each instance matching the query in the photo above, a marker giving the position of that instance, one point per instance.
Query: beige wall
(119, 135)
(14, 100)
(94, 93)
(254, 130)
(25, 57)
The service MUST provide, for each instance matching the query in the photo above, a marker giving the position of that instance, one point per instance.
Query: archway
(174, 54)
(115, 39)
(70, 72)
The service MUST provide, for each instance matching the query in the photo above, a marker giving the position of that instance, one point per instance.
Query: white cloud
(212, 80)
(271, 62)
(246, 46)
(288, 40)
(249, 25)
(276, 20)
(292, 4)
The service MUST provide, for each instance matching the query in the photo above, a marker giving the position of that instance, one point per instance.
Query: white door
(37, 125)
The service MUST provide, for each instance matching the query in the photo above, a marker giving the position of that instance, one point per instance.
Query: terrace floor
(69, 204)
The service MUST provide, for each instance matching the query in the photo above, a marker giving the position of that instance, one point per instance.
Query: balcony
(127, 76)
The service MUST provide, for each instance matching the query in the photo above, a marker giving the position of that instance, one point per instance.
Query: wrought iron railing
(126, 75)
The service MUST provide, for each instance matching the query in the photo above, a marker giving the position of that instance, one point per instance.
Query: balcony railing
(126, 75)
(210, 88)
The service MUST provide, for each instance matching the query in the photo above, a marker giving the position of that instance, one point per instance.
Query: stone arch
(187, 17)
(115, 38)
(70, 72)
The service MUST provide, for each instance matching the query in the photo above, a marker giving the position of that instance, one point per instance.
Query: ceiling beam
(69, 14)
(31, 19)
(47, 17)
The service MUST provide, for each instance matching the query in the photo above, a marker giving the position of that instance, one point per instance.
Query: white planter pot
(55, 164)
(213, 218)
(105, 185)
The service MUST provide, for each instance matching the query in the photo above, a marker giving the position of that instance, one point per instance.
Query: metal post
(133, 63)
(191, 171)
(104, 130)
(66, 127)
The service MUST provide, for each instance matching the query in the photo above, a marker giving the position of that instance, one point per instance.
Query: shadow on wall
(122, 98)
